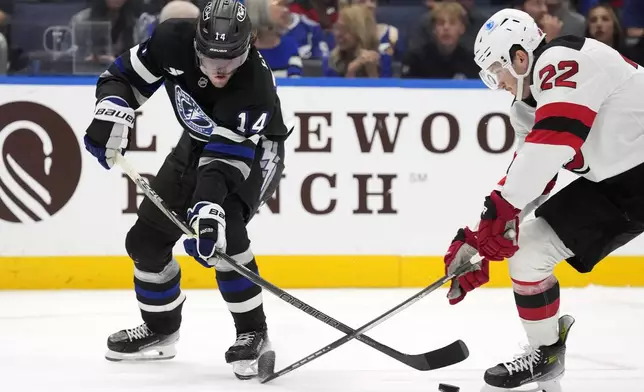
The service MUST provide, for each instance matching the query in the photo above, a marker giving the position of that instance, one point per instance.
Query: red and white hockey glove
(461, 250)
(497, 218)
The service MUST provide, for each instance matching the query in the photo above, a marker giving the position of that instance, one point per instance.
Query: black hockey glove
(208, 221)
(109, 132)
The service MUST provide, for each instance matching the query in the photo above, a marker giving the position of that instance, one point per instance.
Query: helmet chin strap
(520, 78)
(520, 88)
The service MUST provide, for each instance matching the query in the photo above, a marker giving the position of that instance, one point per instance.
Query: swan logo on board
(40, 162)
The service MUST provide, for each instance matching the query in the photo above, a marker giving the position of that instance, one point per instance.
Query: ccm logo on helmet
(206, 12)
(241, 13)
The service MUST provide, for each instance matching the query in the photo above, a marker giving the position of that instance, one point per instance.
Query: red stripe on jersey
(522, 283)
(631, 62)
(568, 110)
(541, 313)
(549, 187)
(502, 182)
(544, 136)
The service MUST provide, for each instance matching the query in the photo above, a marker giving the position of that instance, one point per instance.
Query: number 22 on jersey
(563, 72)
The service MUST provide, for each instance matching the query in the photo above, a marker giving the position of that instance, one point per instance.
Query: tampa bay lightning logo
(489, 25)
(191, 114)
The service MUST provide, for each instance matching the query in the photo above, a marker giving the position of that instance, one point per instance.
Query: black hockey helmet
(223, 36)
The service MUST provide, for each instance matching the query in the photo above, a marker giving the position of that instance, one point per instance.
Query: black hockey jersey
(229, 120)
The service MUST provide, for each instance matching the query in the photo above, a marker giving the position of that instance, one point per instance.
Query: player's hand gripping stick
(455, 293)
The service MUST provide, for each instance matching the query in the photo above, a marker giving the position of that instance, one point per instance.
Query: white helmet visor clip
(492, 76)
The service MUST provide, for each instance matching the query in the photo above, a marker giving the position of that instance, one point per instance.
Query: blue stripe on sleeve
(231, 149)
(119, 64)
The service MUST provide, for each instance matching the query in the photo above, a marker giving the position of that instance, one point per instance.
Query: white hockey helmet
(496, 37)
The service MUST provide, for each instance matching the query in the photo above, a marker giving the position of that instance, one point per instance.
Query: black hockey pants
(150, 241)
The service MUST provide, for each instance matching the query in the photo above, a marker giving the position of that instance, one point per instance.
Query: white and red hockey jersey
(586, 114)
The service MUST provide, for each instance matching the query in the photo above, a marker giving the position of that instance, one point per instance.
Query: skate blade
(245, 370)
(150, 354)
(553, 385)
(489, 388)
(249, 369)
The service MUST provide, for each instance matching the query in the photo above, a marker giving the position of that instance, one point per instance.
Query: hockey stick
(448, 355)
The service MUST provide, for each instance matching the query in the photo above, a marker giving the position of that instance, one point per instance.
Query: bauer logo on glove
(208, 221)
(109, 133)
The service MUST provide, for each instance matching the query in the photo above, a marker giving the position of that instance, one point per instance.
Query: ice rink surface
(55, 341)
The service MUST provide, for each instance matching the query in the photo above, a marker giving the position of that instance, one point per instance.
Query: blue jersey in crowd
(283, 59)
(308, 36)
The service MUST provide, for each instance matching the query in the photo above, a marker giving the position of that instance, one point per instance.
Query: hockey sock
(160, 297)
(538, 306)
(243, 297)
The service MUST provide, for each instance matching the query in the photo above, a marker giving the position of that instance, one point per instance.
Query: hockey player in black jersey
(226, 163)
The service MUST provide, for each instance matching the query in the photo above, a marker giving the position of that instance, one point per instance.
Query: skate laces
(244, 339)
(140, 332)
(524, 361)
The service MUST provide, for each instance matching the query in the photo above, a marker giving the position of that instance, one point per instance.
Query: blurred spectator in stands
(308, 36)
(6, 7)
(388, 34)
(583, 6)
(474, 19)
(306, 32)
(573, 22)
(538, 9)
(122, 15)
(356, 52)
(554, 17)
(604, 26)
(280, 52)
(444, 57)
(147, 22)
(5, 11)
(15, 58)
(324, 12)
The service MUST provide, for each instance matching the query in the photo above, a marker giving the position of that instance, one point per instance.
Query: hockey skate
(251, 354)
(140, 344)
(544, 366)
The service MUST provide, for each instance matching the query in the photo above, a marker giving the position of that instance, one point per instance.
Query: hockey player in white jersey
(578, 106)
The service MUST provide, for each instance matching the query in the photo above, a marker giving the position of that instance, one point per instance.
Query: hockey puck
(448, 388)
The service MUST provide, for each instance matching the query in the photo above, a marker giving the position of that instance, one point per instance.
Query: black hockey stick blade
(357, 334)
(449, 355)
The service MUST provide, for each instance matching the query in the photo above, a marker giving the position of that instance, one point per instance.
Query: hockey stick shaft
(464, 268)
(378, 320)
(419, 362)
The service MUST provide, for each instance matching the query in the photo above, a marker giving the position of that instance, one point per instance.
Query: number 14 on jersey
(257, 126)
